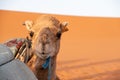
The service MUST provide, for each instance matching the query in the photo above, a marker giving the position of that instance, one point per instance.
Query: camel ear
(63, 26)
(28, 24)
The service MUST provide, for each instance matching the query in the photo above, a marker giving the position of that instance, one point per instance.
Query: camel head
(47, 34)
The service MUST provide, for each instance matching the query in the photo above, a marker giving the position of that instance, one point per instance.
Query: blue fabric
(46, 64)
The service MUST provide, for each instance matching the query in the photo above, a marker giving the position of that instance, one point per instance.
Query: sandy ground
(90, 50)
(89, 69)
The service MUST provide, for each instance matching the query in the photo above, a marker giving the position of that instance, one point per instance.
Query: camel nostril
(43, 53)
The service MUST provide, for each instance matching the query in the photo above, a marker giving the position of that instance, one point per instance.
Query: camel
(46, 35)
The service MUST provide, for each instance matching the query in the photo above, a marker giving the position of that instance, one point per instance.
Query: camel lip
(42, 56)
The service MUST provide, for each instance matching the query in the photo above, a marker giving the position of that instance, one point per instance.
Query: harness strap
(49, 70)
(47, 64)
(28, 48)
(24, 54)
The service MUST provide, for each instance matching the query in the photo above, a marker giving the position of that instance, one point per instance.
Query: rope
(25, 51)
(47, 64)
(49, 70)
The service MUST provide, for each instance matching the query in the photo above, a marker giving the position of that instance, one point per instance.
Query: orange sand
(89, 51)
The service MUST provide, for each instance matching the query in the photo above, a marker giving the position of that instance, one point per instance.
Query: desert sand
(90, 50)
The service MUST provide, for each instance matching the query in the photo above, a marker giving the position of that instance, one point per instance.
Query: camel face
(47, 33)
(46, 44)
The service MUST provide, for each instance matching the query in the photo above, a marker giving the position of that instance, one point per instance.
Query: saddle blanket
(14, 44)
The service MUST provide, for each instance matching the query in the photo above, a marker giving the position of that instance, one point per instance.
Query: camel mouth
(43, 55)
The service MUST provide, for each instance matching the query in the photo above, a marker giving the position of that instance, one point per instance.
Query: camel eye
(31, 34)
(58, 35)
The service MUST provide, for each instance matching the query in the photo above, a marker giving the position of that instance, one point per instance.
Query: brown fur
(45, 43)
